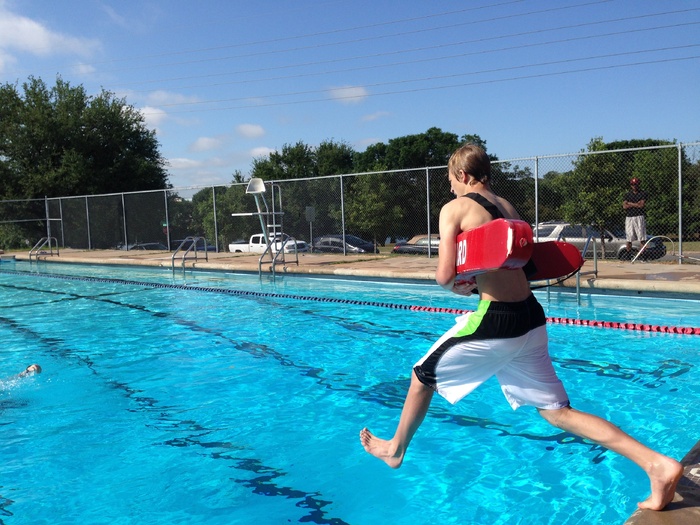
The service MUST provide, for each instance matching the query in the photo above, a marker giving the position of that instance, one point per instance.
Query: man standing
(635, 222)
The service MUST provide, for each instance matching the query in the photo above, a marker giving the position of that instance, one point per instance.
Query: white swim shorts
(508, 340)
(636, 228)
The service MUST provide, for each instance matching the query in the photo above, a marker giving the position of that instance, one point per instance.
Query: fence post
(87, 218)
(48, 222)
(60, 214)
(342, 214)
(427, 210)
(680, 203)
(126, 237)
(537, 196)
(167, 218)
(216, 223)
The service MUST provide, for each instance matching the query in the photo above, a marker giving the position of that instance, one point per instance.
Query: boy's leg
(664, 472)
(414, 409)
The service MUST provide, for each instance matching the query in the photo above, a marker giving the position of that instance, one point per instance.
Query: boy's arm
(447, 254)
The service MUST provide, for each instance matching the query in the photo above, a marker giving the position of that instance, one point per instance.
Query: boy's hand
(466, 288)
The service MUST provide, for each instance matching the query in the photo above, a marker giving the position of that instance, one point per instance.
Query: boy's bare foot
(381, 449)
(664, 477)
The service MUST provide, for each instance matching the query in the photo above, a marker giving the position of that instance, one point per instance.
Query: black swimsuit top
(487, 204)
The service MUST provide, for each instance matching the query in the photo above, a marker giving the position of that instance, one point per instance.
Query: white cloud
(184, 164)
(141, 17)
(167, 98)
(6, 60)
(154, 117)
(363, 143)
(261, 151)
(83, 69)
(375, 116)
(349, 94)
(115, 17)
(212, 171)
(23, 34)
(205, 144)
(250, 131)
(164, 98)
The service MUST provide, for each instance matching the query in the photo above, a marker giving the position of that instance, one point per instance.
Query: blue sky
(223, 82)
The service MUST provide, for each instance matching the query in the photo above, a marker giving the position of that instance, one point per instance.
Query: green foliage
(517, 185)
(197, 217)
(300, 161)
(370, 211)
(554, 190)
(334, 158)
(293, 162)
(13, 237)
(60, 141)
(432, 148)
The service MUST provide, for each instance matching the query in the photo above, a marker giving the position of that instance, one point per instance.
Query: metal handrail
(279, 253)
(193, 245)
(673, 253)
(36, 251)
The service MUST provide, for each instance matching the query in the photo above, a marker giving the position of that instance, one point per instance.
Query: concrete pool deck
(665, 277)
(661, 278)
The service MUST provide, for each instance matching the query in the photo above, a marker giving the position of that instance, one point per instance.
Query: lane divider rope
(643, 327)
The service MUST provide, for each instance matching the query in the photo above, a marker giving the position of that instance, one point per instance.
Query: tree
(334, 158)
(370, 211)
(432, 148)
(293, 162)
(60, 141)
(229, 199)
(301, 161)
(411, 152)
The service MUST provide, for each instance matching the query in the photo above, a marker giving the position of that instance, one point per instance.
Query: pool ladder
(192, 247)
(593, 272)
(38, 248)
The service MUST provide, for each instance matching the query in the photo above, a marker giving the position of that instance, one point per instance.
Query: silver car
(578, 235)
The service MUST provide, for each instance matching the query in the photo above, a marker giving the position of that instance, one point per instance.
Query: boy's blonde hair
(471, 159)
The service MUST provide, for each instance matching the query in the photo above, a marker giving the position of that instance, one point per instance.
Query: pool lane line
(641, 327)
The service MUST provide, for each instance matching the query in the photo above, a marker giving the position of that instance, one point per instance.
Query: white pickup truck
(257, 244)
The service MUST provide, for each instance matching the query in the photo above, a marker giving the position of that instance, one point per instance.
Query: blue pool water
(178, 404)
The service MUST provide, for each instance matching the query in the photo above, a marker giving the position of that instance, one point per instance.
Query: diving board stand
(272, 231)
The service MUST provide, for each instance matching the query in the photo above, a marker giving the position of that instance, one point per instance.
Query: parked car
(200, 245)
(615, 245)
(143, 246)
(420, 244)
(258, 244)
(301, 246)
(395, 240)
(334, 244)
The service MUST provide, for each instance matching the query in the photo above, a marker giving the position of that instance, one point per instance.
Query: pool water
(179, 404)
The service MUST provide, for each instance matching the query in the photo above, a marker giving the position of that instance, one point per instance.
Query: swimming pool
(164, 400)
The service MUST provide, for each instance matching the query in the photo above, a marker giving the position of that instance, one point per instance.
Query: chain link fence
(585, 189)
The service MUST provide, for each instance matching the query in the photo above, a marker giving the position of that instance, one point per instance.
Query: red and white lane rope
(642, 327)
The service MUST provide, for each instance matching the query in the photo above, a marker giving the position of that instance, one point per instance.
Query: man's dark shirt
(635, 197)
